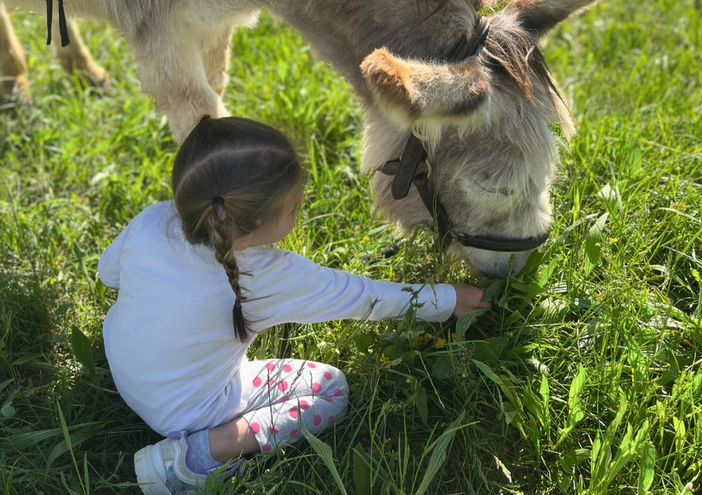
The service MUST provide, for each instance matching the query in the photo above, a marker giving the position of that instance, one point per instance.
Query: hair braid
(222, 235)
(221, 196)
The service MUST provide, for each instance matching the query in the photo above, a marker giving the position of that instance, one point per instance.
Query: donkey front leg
(216, 55)
(13, 66)
(76, 57)
(172, 70)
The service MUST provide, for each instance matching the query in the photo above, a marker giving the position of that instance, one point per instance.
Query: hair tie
(219, 200)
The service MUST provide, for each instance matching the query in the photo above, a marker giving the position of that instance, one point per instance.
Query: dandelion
(366, 238)
(408, 380)
(440, 343)
(613, 240)
(384, 360)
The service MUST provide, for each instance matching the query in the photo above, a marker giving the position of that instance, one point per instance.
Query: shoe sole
(150, 479)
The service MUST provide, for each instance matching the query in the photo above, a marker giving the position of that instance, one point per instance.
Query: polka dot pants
(282, 394)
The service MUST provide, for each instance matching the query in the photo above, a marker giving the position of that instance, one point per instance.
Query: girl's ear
(410, 91)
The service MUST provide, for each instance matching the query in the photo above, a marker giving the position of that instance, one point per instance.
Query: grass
(585, 378)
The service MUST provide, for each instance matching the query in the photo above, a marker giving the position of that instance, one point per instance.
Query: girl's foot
(161, 469)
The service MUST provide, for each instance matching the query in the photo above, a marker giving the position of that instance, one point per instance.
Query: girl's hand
(468, 299)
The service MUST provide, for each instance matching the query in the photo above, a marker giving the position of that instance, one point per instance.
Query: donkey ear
(540, 16)
(388, 79)
(410, 90)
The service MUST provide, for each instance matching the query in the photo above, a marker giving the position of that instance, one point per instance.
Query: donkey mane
(513, 53)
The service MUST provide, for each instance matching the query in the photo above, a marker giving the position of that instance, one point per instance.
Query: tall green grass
(585, 378)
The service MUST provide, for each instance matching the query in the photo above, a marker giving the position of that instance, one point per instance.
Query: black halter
(63, 27)
(407, 172)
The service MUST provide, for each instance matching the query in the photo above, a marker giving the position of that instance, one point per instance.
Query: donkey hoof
(15, 90)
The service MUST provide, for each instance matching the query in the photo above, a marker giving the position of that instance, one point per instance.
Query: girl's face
(278, 228)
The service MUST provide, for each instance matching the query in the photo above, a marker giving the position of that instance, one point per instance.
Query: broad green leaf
(439, 454)
(361, 473)
(324, 451)
(505, 385)
(575, 411)
(82, 348)
(441, 368)
(76, 439)
(7, 410)
(465, 322)
(647, 469)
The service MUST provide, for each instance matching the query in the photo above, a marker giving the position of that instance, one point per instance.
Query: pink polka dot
(293, 413)
(330, 420)
(316, 388)
(304, 405)
(255, 427)
(317, 420)
(327, 375)
(270, 366)
(287, 368)
(293, 433)
(311, 365)
(283, 386)
(257, 382)
(266, 447)
(328, 398)
(337, 392)
(274, 429)
(271, 382)
(284, 398)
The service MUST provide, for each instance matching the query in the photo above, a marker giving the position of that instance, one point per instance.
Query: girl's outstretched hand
(468, 299)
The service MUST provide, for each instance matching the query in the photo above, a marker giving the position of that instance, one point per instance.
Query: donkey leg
(216, 58)
(13, 66)
(76, 57)
(172, 70)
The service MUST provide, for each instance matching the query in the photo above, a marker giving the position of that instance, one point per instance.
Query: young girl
(196, 286)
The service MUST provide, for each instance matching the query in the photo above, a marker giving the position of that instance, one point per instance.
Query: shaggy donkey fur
(485, 120)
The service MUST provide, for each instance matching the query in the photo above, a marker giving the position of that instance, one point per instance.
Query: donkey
(73, 57)
(465, 108)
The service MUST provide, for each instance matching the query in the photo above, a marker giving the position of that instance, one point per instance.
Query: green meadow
(585, 378)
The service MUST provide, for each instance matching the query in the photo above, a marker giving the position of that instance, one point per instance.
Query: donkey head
(485, 124)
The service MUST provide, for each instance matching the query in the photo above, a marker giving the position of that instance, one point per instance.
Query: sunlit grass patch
(585, 378)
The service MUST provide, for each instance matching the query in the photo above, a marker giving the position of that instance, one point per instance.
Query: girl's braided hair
(229, 178)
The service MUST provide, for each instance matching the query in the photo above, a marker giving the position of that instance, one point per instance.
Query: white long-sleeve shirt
(169, 337)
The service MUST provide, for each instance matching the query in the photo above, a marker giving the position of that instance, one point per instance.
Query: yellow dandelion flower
(384, 360)
(305, 56)
(409, 380)
(440, 343)
(366, 238)
(613, 240)
(428, 336)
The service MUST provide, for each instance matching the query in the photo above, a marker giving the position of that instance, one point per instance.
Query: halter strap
(406, 172)
(63, 26)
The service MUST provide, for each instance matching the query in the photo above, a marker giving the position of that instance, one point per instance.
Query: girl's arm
(297, 290)
(109, 266)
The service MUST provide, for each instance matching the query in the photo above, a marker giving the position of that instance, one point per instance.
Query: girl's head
(236, 183)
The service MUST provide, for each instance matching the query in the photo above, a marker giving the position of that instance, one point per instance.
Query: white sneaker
(161, 469)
